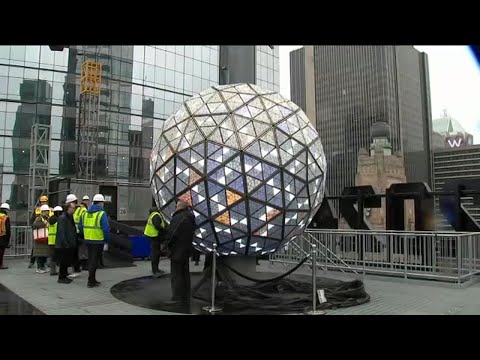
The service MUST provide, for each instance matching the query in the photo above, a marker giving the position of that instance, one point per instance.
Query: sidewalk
(389, 296)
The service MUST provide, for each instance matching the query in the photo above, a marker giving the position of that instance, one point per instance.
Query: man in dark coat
(180, 236)
(66, 242)
(4, 232)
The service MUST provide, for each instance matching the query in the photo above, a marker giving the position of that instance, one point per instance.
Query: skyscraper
(355, 86)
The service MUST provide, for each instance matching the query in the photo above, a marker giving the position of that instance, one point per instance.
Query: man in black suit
(180, 237)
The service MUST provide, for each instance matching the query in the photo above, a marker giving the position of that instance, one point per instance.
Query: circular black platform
(155, 293)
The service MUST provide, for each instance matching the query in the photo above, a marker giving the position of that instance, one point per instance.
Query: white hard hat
(71, 198)
(45, 208)
(86, 197)
(57, 208)
(5, 206)
(99, 197)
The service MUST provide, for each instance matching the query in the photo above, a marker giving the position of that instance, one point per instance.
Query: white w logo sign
(455, 142)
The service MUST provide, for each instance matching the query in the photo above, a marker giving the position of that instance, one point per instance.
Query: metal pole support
(314, 310)
(212, 308)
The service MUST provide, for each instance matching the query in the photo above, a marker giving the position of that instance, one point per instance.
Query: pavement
(389, 296)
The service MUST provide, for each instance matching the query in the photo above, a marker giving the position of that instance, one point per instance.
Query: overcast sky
(454, 83)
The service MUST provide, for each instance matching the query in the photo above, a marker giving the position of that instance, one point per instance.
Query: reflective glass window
(179, 80)
(139, 53)
(213, 57)
(188, 66)
(58, 93)
(5, 52)
(197, 84)
(188, 83)
(170, 61)
(206, 84)
(213, 73)
(168, 108)
(197, 68)
(180, 49)
(270, 62)
(14, 88)
(17, 52)
(170, 78)
(205, 71)
(148, 92)
(46, 56)
(138, 71)
(3, 86)
(205, 54)
(61, 60)
(149, 75)
(15, 71)
(159, 76)
(159, 107)
(45, 75)
(179, 63)
(160, 58)
(149, 55)
(32, 54)
(189, 51)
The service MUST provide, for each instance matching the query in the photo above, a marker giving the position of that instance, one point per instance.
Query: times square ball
(249, 163)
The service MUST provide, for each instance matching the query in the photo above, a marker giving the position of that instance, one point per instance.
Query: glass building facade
(267, 67)
(141, 86)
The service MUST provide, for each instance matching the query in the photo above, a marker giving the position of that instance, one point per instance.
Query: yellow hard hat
(43, 198)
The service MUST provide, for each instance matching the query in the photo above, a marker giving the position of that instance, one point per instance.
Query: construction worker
(95, 229)
(40, 243)
(52, 235)
(85, 201)
(79, 210)
(82, 248)
(43, 200)
(4, 232)
(155, 231)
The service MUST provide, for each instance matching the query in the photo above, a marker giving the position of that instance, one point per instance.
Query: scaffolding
(89, 112)
(39, 171)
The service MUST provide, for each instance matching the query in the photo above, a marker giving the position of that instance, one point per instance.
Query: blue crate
(140, 246)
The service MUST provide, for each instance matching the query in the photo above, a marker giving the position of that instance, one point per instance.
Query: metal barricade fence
(450, 256)
(21, 241)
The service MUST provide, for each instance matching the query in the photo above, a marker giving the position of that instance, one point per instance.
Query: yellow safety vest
(92, 230)
(52, 233)
(150, 229)
(38, 212)
(3, 224)
(77, 215)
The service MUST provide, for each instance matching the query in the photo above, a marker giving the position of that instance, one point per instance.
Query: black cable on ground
(277, 295)
(265, 280)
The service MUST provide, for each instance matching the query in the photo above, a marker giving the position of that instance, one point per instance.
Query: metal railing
(21, 241)
(448, 256)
